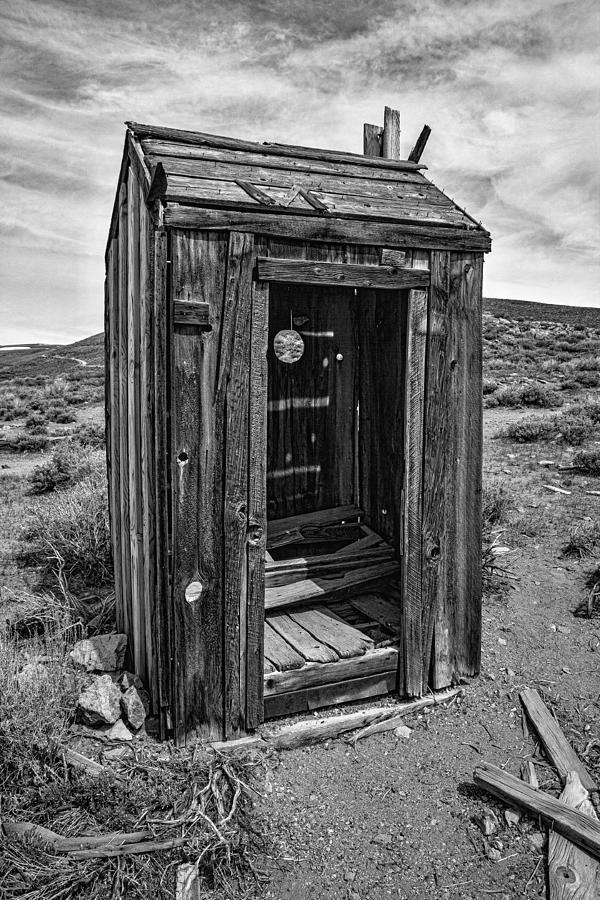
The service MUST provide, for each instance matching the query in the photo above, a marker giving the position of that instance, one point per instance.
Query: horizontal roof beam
(302, 271)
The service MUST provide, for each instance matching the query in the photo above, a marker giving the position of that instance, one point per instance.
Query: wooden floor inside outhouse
(332, 612)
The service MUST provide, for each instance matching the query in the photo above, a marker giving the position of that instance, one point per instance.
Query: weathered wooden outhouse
(293, 342)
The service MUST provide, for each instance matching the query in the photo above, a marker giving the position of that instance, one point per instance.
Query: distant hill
(542, 312)
(85, 356)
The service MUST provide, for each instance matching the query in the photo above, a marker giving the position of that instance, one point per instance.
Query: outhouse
(293, 402)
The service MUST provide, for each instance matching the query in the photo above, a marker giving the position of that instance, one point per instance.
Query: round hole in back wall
(288, 346)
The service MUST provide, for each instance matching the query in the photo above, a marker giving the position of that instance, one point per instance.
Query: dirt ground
(394, 817)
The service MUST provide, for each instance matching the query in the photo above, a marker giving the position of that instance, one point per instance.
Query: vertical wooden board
(125, 554)
(162, 623)
(137, 640)
(148, 560)
(411, 678)
(233, 391)
(112, 425)
(257, 502)
(457, 631)
(438, 451)
(198, 448)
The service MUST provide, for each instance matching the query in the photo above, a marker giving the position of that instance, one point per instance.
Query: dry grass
(584, 540)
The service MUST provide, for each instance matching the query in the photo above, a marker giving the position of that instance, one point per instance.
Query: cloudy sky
(510, 89)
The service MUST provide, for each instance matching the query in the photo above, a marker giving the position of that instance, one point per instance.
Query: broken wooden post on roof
(275, 550)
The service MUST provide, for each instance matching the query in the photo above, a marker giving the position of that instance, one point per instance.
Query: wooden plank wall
(451, 623)
(218, 513)
(130, 426)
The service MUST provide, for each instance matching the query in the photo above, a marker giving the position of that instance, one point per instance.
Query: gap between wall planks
(125, 617)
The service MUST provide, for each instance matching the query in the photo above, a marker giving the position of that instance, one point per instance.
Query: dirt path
(394, 817)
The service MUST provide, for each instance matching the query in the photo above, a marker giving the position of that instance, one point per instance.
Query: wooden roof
(195, 169)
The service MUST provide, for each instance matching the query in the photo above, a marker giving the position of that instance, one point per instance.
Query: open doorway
(335, 469)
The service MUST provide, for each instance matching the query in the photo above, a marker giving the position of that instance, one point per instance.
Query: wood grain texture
(439, 454)
(303, 642)
(411, 677)
(162, 622)
(304, 272)
(271, 149)
(113, 422)
(308, 699)
(257, 501)
(287, 571)
(188, 312)
(246, 164)
(372, 140)
(373, 662)
(278, 528)
(401, 233)
(233, 393)
(197, 464)
(125, 554)
(345, 640)
(576, 826)
(146, 463)
(572, 873)
(417, 151)
(391, 134)
(457, 629)
(301, 592)
(557, 747)
(277, 650)
(137, 634)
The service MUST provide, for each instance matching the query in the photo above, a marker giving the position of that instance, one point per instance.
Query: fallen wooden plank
(353, 690)
(571, 823)
(572, 873)
(394, 721)
(372, 662)
(310, 589)
(79, 761)
(303, 642)
(555, 743)
(344, 639)
(129, 849)
(280, 527)
(111, 841)
(249, 742)
(369, 540)
(379, 609)
(302, 733)
(279, 652)
(557, 490)
(286, 571)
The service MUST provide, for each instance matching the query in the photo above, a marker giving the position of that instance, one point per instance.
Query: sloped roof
(196, 169)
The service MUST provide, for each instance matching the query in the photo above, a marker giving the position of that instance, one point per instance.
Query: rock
(510, 673)
(502, 642)
(119, 732)
(488, 823)
(512, 817)
(383, 839)
(100, 703)
(536, 841)
(130, 679)
(133, 708)
(493, 854)
(103, 653)
(563, 629)
(32, 673)
(403, 731)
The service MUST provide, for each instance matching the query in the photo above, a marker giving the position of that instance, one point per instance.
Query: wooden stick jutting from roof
(391, 133)
(372, 140)
(417, 151)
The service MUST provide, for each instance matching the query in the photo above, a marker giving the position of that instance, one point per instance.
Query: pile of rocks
(114, 701)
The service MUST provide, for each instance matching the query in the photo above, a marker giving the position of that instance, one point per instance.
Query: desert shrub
(60, 413)
(68, 465)
(26, 443)
(589, 379)
(34, 419)
(584, 540)
(533, 428)
(589, 460)
(91, 435)
(68, 532)
(495, 502)
(588, 364)
(489, 385)
(8, 408)
(530, 394)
